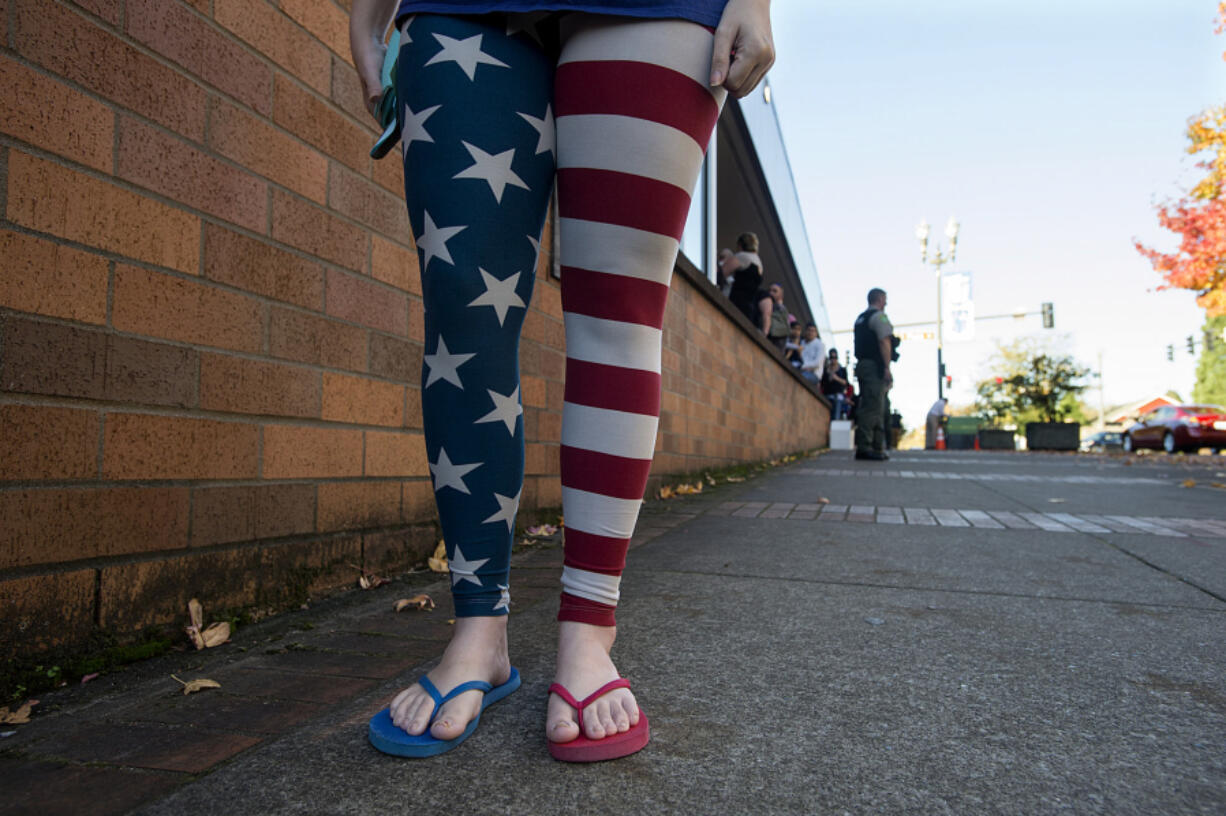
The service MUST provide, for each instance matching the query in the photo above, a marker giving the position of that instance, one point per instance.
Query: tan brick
(357, 505)
(395, 359)
(264, 149)
(417, 501)
(309, 338)
(273, 34)
(318, 123)
(241, 386)
(142, 446)
(223, 515)
(367, 203)
(298, 571)
(412, 407)
(532, 392)
(347, 94)
(417, 320)
(39, 442)
(541, 460)
(362, 401)
(145, 373)
(396, 454)
(46, 197)
(56, 526)
(106, 9)
(395, 265)
(388, 173)
(44, 611)
(50, 358)
(148, 593)
(328, 23)
(317, 232)
(252, 265)
(152, 303)
(296, 452)
(186, 38)
(364, 301)
(69, 45)
(156, 161)
(51, 116)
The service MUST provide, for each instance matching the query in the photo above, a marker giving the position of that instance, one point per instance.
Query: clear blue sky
(1048, 127)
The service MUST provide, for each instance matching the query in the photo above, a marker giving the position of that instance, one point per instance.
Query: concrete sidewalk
(790, 660)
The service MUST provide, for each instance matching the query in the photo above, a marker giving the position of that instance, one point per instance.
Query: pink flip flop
(582, 749)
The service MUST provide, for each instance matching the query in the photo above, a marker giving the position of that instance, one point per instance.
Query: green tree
(1029, 382)
(1211, 368)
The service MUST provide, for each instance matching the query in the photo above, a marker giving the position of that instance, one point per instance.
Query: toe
(630, 708)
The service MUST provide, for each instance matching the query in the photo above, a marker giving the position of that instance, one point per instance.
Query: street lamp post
(938, 260)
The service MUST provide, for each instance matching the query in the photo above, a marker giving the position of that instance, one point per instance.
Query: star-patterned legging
(480, 97)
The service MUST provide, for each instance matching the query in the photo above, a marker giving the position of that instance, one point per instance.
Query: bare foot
(478, 651)
(584, 666)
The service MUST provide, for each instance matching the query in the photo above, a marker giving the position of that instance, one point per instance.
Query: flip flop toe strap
(441, 699)
(579, 705)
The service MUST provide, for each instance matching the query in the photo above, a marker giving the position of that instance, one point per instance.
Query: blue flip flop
(391, 739)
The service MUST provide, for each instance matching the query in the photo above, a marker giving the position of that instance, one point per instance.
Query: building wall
(211, 322)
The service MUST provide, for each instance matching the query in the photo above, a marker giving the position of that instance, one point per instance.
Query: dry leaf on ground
(18, 717)
(416, 602)
(823, 500)
(216, 634)
(666, 492)
(542, 530)
(734, 478)
(1188, 483)
(1219, 485)
(688, 490)
(438, 561)
(1057, 501)
(89, 677)
(192, 686)
(372, 581)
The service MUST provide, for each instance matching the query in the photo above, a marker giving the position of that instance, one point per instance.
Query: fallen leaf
(18, 717)
(451, 621)
(192, 686)
(195, 612)
(216, 634)
(734, 478)
(823, 500)
(1057, 501)
(89, 677)
(710, 480)
(438, 561)
(689, 490)
(1218, 485)
(1188, 483)
(372, 581)
(666, 492)
(542, 530)
(416, 602)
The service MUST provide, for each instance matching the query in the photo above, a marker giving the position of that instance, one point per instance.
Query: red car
(1179, 428)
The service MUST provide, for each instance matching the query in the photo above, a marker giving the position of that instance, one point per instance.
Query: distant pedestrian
(746, 271)
(834, 385)
(791, 350)
(812, 355)
(874, 349)
(777, 326)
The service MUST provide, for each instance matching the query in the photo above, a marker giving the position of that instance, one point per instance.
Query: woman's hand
(744, 48)
(368, 23)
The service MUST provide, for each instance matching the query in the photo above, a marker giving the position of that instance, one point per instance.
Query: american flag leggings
(480, 98)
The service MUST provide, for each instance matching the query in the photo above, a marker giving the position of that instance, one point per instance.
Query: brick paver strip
(1044, 523)
(1113, 526)
(312, 688)
(1145, 527)
(751, 509)
(777, 510)
(895, 517)
(978, 518)
(919, 516)
(1081, 525)
(803, 515)
(950, 518)
(1203, 526)
(807, 508)
(833, 512)
(41, 788)
(219, 711)
(1160, 524)
(162, 748)
(1010, 520)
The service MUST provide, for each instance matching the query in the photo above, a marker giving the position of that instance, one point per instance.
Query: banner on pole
(959, 307)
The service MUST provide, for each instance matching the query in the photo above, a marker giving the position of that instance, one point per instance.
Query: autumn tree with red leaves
(1199, 219)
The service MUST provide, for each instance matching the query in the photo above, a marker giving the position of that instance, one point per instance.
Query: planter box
(996, 439)
(1064, 436)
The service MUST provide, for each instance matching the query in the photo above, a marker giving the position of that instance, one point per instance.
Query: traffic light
(1191, 344)
(1049, 318)
(949, 381)
(1170, 352)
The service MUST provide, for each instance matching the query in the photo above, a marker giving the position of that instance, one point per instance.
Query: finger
(721, 55)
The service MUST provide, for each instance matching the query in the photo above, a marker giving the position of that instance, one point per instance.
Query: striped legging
(633, 116)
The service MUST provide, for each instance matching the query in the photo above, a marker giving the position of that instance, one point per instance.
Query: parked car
(1179, 428)
(1103, 441)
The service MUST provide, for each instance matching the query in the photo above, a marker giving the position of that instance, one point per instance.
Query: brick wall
(210, 325)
